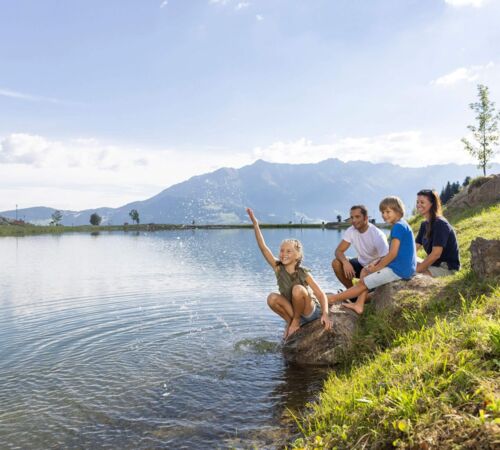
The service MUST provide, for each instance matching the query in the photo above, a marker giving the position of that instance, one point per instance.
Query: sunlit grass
(425, 375)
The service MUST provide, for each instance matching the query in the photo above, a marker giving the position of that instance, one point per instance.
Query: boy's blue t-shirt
(405, 263)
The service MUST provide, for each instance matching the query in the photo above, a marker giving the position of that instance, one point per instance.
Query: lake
(149, 340)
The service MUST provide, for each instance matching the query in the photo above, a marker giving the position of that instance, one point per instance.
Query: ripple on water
(153, 344)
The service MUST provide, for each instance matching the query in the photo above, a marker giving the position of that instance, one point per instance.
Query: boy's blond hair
(394, 203)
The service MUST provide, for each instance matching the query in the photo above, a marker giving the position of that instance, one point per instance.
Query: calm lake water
(158, 340)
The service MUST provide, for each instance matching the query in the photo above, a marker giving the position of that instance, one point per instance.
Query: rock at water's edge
(312, 345)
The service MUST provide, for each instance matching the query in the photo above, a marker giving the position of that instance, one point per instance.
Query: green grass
(424, 375)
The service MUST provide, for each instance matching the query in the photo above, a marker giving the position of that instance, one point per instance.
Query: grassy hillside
(424, 378)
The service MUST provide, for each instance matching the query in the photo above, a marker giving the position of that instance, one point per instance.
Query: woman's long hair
(435, 211)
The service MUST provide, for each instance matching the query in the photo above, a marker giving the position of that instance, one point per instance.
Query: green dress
(286, 282)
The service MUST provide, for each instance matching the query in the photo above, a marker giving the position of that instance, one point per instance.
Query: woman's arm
(321, 296)
(433, 256)
(268, 255)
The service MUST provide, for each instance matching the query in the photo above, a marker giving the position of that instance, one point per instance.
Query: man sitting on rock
(369, 242)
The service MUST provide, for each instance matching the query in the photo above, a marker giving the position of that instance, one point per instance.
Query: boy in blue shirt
(399, 263)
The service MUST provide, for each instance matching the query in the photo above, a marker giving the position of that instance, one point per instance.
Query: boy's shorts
(383, 276)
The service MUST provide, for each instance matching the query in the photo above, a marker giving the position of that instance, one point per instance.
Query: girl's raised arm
(268, 255)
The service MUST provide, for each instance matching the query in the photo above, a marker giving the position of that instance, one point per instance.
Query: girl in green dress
(297, 302)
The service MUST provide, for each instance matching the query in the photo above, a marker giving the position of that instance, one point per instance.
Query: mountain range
(278, 193)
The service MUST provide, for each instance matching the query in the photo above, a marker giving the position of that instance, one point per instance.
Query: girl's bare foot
(292, 329)
(357, 308)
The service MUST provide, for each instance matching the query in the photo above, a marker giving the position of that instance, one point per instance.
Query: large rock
(481, 191)
(485, 257)
(387, 297)
(312, 345)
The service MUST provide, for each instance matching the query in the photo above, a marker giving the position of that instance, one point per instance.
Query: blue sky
(106, 102)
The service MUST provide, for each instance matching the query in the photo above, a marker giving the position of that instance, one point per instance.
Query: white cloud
(41, 152)
(259, 17)
(469, 74)
(32, 98)
(164, 3)
(220, 2)
(409, 149)
(460, 3)
(242, 5)
(85, 173)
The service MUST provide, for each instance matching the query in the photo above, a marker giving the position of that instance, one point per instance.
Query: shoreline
(30, 230)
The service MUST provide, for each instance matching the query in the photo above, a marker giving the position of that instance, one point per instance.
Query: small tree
(95, 219)
(339, 218)
(486, 133)
(134, 215)
(56, 217)
(466, 181)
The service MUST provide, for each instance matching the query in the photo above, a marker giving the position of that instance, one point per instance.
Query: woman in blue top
(437, 237)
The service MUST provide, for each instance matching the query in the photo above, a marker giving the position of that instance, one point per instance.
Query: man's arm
(340, 256)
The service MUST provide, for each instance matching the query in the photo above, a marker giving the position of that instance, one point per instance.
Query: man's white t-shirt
(370, 245)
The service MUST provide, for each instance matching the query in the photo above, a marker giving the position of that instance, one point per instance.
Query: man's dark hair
(363, 209)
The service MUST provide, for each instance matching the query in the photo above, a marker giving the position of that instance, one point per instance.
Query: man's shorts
(383, 276)
(356, 266)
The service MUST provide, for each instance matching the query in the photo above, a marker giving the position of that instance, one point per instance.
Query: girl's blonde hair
(297, 245)
(394, 203)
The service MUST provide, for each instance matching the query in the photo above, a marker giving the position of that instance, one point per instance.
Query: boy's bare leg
(355, 291)
(359, 305)
(365, 273)
(338, 268)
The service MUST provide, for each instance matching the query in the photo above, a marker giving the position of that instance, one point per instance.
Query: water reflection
(147, 340)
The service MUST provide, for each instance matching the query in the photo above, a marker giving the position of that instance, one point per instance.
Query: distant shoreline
(28, 229)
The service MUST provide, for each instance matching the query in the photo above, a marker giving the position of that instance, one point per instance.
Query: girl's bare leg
(302, 304)
(281, 306)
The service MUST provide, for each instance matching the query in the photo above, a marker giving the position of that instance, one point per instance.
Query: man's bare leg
(338, 268)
